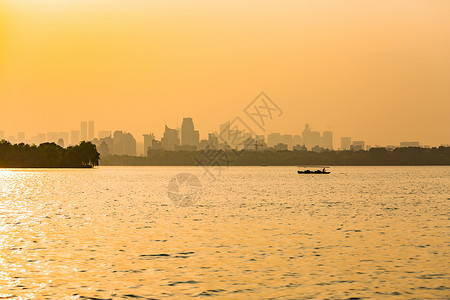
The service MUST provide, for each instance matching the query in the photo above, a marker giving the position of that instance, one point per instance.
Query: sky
(375, 70)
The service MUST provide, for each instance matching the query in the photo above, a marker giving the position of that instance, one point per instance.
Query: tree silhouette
(48, 155)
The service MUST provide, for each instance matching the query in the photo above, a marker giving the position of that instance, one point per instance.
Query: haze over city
(192, 149)
(374, 70)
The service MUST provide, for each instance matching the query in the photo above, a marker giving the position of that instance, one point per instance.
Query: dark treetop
(48, 155)
(413, 156)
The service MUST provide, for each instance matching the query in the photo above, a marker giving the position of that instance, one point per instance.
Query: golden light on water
(114, 231)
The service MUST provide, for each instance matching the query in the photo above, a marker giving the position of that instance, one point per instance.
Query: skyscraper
(90, 130)
(83, 130)
(148, 140)
(74, 137)
(189, 136)
(306, 137)
(170, 139)
(327, 140)
(346, 142)
(124, 143)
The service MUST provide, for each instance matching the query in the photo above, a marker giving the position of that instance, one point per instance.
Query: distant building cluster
(229, 137)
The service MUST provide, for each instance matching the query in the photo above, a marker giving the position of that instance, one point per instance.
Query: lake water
(253, 233)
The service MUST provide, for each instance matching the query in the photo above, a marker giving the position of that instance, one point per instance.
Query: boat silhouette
(317, 171)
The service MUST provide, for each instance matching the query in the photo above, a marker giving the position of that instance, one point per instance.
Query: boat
(321, 170)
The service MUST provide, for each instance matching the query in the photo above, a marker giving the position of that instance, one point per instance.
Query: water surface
(255, 233)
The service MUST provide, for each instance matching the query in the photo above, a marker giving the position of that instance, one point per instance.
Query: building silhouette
(273, 139)
(124, 143)
(64, 136)
(52, 137)
(409, 144)
(213, 140)
(103, 148)
(346, 142)
(74, 137)
(148, 140)
(281, 147)
(90, 136)
(296, 140)
(358, 146)
(224, 132)
(170, 139)
(327, 140)
(307, 137)
(60, 142)
(287, 140)
(299, 148)
(189, 136)
(156, 145)
(83, 131)
(2, 135)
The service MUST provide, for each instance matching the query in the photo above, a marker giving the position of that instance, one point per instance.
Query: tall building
(2, 135)
(316, 139)
(124, 143)
(346, 142)
(189, 136)
(90, 130)
(83, 130)
(170, 139)
(311, 138)
(306, 137)
(148, 140)
(327, 140)
(74, 137)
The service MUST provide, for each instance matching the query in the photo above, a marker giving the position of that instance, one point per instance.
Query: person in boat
(323, 170)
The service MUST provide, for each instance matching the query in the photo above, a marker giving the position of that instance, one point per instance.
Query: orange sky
(374, 70)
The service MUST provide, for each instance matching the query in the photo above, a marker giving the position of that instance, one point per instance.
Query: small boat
(317, 171)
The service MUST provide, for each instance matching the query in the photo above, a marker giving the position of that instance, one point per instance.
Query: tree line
(410, 156)
(48, 155)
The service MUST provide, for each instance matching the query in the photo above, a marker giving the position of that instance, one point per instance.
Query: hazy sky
(374, 70)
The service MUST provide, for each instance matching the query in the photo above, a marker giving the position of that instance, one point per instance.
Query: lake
(246, 233)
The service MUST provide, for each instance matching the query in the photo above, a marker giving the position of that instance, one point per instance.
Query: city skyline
(369, 69)
(185, 137)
